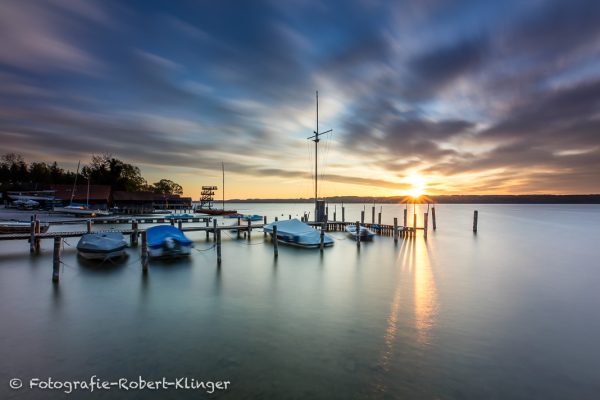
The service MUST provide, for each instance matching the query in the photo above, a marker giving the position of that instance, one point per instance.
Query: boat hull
(163, 252)
(214, 211)
(20, 227)
(101, 255)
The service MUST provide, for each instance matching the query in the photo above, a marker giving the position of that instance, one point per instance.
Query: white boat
(26, 204)
(102, 245)
(81, 210)
(365, 233)
(20, 227)
(296, 233)
(40, 195)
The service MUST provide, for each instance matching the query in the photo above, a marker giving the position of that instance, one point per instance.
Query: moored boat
(167, 241)
(214, 211)
(20, 227)
(365, 233)
(252, 217)
(297, 233)
(101, 245)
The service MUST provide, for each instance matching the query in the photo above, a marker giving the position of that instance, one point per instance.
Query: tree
(167, 186)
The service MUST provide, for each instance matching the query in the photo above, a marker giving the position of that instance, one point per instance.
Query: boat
(296, 233)
(233, 215)
(252, 217)
(215, 211)
(20, 227)
(179, 216)
(365, 233)
(167, 241)
(81, 209)
(26, 204)
(101, 246)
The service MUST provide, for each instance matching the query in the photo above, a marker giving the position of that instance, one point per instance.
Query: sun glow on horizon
(418, 185)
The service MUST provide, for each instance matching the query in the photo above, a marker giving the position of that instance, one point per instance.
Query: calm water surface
(509, 313)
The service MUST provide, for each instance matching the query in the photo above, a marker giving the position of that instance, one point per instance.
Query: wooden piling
(144, 255)
(362, 217)
(334, 216)
(214, 230)
(343, 214)
(56, 259)
(322, 244)
(218, 235)
(172, 221)
(207, 225)
(88, 224)
(32, 237)
(290, 216)
(395, 230)
(405, 218)
(425, 224)
(357, 226)
(135, 233)
(373, 215)
(264, 223)
(433, 217)
(179, 224)
(249, 229)
(38, 231)
(415, 220)
(274, 239)
(239, 222)
(475, 217)
(379, 218)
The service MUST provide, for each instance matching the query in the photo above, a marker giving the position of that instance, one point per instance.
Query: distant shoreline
(446, 199)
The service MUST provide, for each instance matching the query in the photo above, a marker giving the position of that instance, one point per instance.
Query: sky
(448, 97)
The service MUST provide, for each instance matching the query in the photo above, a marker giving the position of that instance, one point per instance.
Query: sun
(418, 185)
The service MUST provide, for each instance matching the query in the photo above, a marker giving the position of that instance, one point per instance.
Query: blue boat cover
(296, 231)
(158, 234)
(252, 217)
(179, 216)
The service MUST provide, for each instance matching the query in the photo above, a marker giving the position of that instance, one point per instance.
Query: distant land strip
(447, 199)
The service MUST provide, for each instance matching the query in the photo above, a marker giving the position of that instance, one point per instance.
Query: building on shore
(146, 202)
(98, 196)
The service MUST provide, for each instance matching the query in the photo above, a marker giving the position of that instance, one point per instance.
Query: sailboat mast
(75, 183)
(315, 138)
(87, 199)
(223, 170)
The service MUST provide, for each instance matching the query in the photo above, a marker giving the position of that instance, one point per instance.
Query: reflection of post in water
(425, 292)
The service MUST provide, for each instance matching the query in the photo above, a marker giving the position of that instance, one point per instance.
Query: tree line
(104, 169)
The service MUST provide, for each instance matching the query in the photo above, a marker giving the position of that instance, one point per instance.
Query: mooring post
(249, 229)
(136, 233)
(274, 239)
(239, 222)
(425, 224)
(56, 259)
(322, 245)
(214, 230)
(357, 226)
(144, 251)
(405, 218)
(433, 217)
(89, 226)
(343, 214)
(415, 221)
(362, 217)
(290, 216)
(373, 215)
(207, 225)
(379, 218)
(179, 224)
(276, 219)
(475, 215)
(218, 235)
(264, 223)
(326, 210)
(38, 231)
(334, 216)
(395, 230)
(32, 236)
(172, 221)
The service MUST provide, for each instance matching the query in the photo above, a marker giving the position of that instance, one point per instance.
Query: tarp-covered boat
(101, 246)
(167, 241)
(297, 233)
(365, 233)
(179, 216)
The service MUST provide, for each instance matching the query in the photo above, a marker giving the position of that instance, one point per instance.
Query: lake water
(512, 312)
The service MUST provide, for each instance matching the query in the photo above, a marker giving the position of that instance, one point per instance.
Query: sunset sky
(454, 97)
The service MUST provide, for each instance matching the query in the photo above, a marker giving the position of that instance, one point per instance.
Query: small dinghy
(234, 215)
(365, 233)
(167, 241)
(101, 246)
(20, 227)
(297, 233)
(252, 217)
(178, 216)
